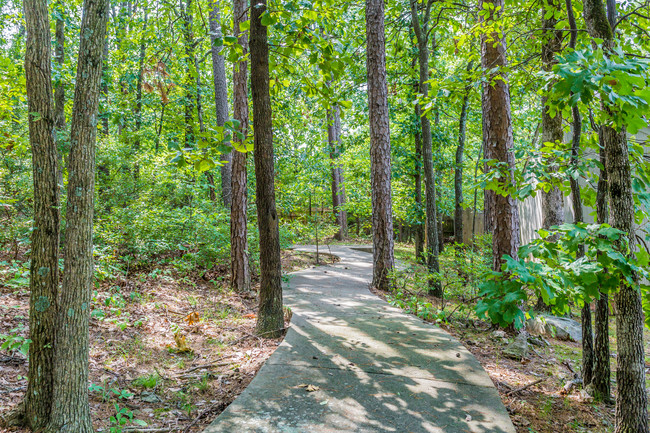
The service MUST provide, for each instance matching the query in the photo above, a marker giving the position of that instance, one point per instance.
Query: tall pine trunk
(70, 410)
(190, 85)
(553, 200)
(44, 266)
(498, 140)
(459, 230)
(240, 271)
(380, 172)
(417, 181)
(270, 319)
(221, 97)
(338, 189)
(432, 245)
(631, 399)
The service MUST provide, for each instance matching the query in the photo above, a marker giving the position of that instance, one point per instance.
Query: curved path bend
(377, 369)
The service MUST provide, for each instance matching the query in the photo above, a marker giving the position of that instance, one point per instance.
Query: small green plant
(108, 393)
(121, 418)
(147, 381)
(15, 343)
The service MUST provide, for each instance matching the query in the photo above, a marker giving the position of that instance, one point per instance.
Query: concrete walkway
(376, 368)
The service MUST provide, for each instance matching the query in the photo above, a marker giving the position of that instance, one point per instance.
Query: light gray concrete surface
(377, 369)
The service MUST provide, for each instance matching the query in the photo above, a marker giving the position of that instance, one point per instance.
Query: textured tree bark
(240, 271)
(221, 97)
(270, 319)
(601, 380)
(380, 173)
(433, 243)
(631, 399)
(44, 269)
(419, 227)
(212, 195)
(338, 188)
(458, 169)
(190, 95)
(498, 139)
(553, 200)
(70, 410)
(59, 93)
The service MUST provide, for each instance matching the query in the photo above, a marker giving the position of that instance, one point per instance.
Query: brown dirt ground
(182, 345)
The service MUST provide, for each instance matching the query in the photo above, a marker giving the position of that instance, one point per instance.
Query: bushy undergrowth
(461, 271)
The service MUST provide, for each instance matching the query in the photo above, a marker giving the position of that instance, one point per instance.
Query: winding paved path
(377, 369)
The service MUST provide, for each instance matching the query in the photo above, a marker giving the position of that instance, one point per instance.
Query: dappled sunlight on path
(372, 368)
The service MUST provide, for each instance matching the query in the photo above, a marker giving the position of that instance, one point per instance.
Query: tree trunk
(338, 188)
(458, 169)
(59, 93)
(631, 399)
(631, 407)
(601, 380)
(587, 331)
(103, 172)
(419, 227)
(380, 172)
(240, 271)
(497, 136)
(270, 318)
(212, 195)
(44, 265)
(221, 97)
(138, 105)
(70, 410)
(553, 200)
(433, 245)
(190, 97)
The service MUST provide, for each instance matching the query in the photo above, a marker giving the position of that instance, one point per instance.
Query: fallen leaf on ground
(192, 318)
(181, 343)
(309, 387)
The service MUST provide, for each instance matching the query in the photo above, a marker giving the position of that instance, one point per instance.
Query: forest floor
(543, 406)
(169, 348)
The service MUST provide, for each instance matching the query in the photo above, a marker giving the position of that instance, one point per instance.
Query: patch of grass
(148, 381)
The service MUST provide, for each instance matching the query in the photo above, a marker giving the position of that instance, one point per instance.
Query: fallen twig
(20, 388)
(515, 391)
(202, 414)
(208, 365)
(142, 430)
(232, 343)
